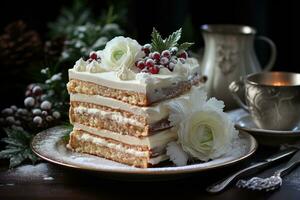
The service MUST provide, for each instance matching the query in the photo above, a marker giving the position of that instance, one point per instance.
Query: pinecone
(54, 47)
(18, 45)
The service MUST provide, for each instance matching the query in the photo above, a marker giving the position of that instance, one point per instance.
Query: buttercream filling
(152, 113)
(107, 115)
(159, 139)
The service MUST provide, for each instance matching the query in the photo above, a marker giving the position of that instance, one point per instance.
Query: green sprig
(159, 44)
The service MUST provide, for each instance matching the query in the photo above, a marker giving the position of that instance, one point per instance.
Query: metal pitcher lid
(228, 29)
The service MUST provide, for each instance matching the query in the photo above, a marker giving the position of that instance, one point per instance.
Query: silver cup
(272, 98)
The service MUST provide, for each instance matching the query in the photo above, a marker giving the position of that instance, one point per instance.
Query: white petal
(215, 104)
(176, 154)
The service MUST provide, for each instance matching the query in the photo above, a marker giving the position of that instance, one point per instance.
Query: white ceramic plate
(51, 146)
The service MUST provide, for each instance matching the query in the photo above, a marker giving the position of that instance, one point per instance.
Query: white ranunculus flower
(204, 130)
(121, 51)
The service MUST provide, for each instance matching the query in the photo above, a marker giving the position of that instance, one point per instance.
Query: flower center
(118, 54)
(202, 138)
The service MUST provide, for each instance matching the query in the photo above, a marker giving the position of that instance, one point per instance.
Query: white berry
(56, 115)
(10, 119)
(36, 111)
(14, 108)
(7, 111)
(37, 120)
(164, 60)
(29, 102)
(49, 118)
(46, 105)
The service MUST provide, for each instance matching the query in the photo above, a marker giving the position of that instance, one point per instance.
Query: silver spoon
(273, 182)
(221, 185)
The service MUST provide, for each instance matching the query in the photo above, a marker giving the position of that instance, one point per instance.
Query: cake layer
(103, 117)
(84, 142)
(153, 142)
(85, 87)
(133, 92)
(151, 114)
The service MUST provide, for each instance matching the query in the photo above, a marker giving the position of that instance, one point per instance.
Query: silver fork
(273, 182)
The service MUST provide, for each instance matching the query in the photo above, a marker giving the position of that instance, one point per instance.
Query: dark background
(275, 19)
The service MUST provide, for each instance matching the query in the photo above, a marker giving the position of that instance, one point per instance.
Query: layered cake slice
(119, 99)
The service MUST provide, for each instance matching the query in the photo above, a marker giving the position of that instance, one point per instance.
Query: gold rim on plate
(46, 145)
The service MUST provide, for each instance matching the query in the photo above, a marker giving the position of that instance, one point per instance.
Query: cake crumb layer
(84, 87)
(80, 145)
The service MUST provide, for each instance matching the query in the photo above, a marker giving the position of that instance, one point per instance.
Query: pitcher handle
(234, 87)
(272, 59)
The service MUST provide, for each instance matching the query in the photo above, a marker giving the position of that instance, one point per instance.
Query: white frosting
(94, 67)
(152, 113)
(145, 78)
(165, 71)
(157, 140)
(102, 142)
(125, 74)
(126, 79)
(80, 65)
(116, 116)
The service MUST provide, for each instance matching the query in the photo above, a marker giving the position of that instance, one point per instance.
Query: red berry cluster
(94, 56)
(154, 61)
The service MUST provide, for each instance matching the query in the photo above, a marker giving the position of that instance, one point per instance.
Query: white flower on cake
(119, 52)
(204, 130)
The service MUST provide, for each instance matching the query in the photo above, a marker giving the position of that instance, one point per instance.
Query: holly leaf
(157, 42)
(18, 148)
(184, 46)
(172, 40)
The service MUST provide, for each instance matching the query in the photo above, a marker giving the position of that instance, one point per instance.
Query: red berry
(183, 55)
(166, 53)
(93, 56)
(154, 70)
(141, 64)
(156, 55)
(150, 63)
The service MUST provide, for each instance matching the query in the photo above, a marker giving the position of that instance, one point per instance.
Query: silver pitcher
(228, 55)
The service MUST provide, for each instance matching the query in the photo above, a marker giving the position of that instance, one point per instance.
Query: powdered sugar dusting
(34, 170)
(50, 145)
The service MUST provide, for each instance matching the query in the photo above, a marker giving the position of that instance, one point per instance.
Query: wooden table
(48, 181)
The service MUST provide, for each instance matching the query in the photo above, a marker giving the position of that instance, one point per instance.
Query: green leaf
(16, 160)
(33, 157)
(18, 147)
(157, 42)
(7, 153)
(172, 40)
(184, 46)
